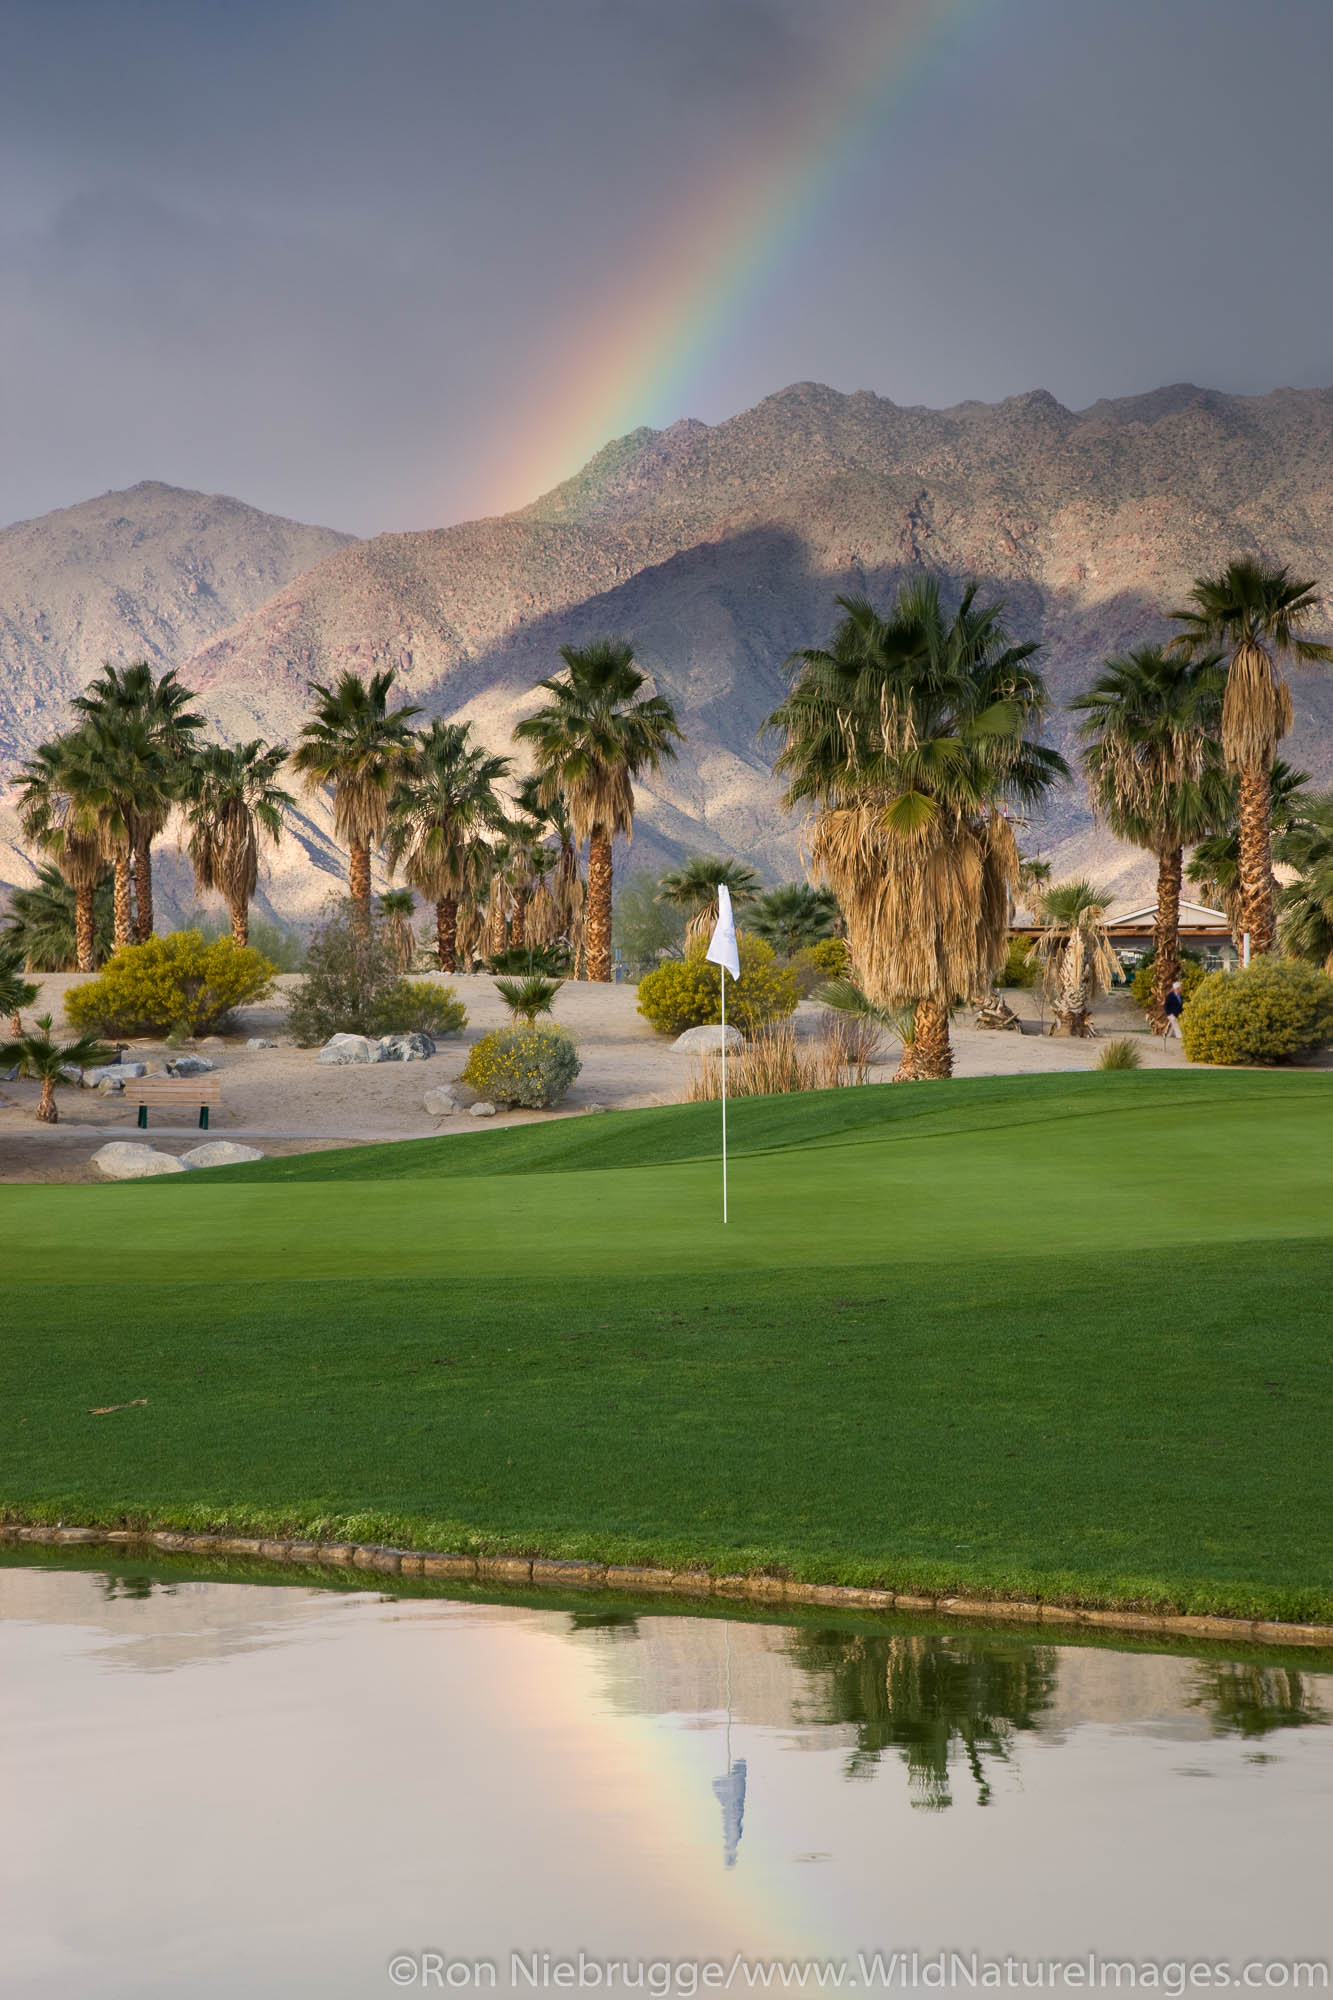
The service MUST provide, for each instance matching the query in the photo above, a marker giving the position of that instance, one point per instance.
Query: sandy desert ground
(283, 1101)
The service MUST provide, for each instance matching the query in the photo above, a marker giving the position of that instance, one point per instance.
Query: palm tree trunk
(143, 892)
(930, 1056)
(122, 902)
(518, 931)
(599, 906)
(240, 923)
(85, 928)
(446, 933)
(46, 1103)
(1166, 929)
(1258, 911)
(15, 1024)
(358, 873)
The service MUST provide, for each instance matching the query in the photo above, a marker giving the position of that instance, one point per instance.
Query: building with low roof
(1203, 931)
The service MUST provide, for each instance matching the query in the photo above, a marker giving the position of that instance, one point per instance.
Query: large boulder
(220, 1153)
(115, 1074)
(122, 1160)
(441, 1102)
(708, 1041)
(190, 1066)
(406, 1048)
(343, 1049)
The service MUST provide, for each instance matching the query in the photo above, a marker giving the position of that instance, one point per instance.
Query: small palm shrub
(37, 1055)
(532, 1066)
(1192, 976)
(417, 1006)
(687, 992)
(527, 998)
(1271, 1012)
(1121, 1054)
(520, 959)
(180, 980)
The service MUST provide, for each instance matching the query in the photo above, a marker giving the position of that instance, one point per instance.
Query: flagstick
(722, 971)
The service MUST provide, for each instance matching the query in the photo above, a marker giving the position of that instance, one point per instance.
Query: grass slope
(1058, 1336)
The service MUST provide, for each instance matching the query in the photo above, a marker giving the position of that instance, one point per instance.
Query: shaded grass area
(1062, 1337)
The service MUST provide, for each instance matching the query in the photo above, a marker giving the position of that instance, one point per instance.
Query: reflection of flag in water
(730, 1795)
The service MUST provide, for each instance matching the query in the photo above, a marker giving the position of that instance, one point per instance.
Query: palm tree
(559, 907)
(909, 737)
(148, 729)
(37, 1055)
(1306, 922)
(591, 740)
(1155, 772)
(397, 907)
(1214, 866)
(1257, 612)
(1034, 878)
(232, 800)
(63, 813)
(360, 750)
(793, 917)
(1077, 958)
(693, 888)
(443, 805)
(41, 922)
(16, 992)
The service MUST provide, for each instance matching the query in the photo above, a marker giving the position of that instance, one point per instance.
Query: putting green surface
(1061, 1336)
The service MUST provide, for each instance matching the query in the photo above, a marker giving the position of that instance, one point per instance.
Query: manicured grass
(1060, 1336)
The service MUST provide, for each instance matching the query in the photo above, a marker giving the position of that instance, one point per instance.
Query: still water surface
(233, 1788)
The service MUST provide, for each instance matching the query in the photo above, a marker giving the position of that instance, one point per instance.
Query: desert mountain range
(718, 550)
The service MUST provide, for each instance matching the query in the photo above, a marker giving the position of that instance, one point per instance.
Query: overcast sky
(391, 263)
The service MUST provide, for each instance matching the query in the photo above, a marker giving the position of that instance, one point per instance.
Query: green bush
(418, 1006)
(687, 993)
(815, 964)
(349, 972)
(1192, 976)
(1121, 1054)
(181, 980)
(1270, 1012)
(285, 947)
(1019, 969)
(532, 1066)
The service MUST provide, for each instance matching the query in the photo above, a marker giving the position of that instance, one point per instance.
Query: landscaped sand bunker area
(283, 1100)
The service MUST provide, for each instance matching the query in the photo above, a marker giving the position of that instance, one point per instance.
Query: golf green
(1060, 1336)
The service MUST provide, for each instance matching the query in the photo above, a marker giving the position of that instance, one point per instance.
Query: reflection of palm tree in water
(729, 1790)
(1246, 1698)
(924, 1695)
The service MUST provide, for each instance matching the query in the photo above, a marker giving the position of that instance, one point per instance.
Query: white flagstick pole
(723, 974)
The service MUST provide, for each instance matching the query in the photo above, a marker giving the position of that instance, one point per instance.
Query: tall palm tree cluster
(912, 740)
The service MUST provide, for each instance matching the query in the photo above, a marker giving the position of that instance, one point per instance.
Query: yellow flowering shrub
(1273, 1011)
(177, 981)
(531, 1066)
(687, 992)
(815, 964)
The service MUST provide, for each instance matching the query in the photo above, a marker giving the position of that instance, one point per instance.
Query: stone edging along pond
(536, 1571)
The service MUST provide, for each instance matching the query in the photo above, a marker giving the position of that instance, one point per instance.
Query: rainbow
(635, 363)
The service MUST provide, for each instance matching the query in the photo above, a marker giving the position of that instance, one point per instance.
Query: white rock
(594, 1107)
(124, 1161)
(708, 1041)
(481, 1109)
(258, 1042)
(344, 1049)
(117, 1073)
(441, 1102)
(220, 1153)
(406, 1048)
(71, 1073)
(190, 1066)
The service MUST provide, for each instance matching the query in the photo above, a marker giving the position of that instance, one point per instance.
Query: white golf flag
(722, 945)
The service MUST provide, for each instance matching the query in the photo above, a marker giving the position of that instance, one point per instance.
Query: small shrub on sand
(777, 1061)
(1270, 1012)
(532, 1066)
(1121, 1054)
(181, 980)
(418, 1006)
(815, 964)
(687, 992)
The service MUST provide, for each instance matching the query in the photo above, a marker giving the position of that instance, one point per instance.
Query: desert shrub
(815, 964)
(285, 947)
(1019, 969)
(417, 1006)
(1270, 1012)
(1121, 1054)
(1192, 976)
(687, 992)
(349, 969)
(643, 930)
(180, 980)
(533, 1066)
(776, 1061)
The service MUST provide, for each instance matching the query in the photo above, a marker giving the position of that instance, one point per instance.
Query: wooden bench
(203, 1091)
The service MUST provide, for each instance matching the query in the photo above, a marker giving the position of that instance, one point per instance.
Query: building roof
(1193, 917)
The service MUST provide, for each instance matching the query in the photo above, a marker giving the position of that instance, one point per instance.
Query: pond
(256, 1788)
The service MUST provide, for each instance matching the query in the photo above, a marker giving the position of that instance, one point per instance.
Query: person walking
(1173, 1007)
